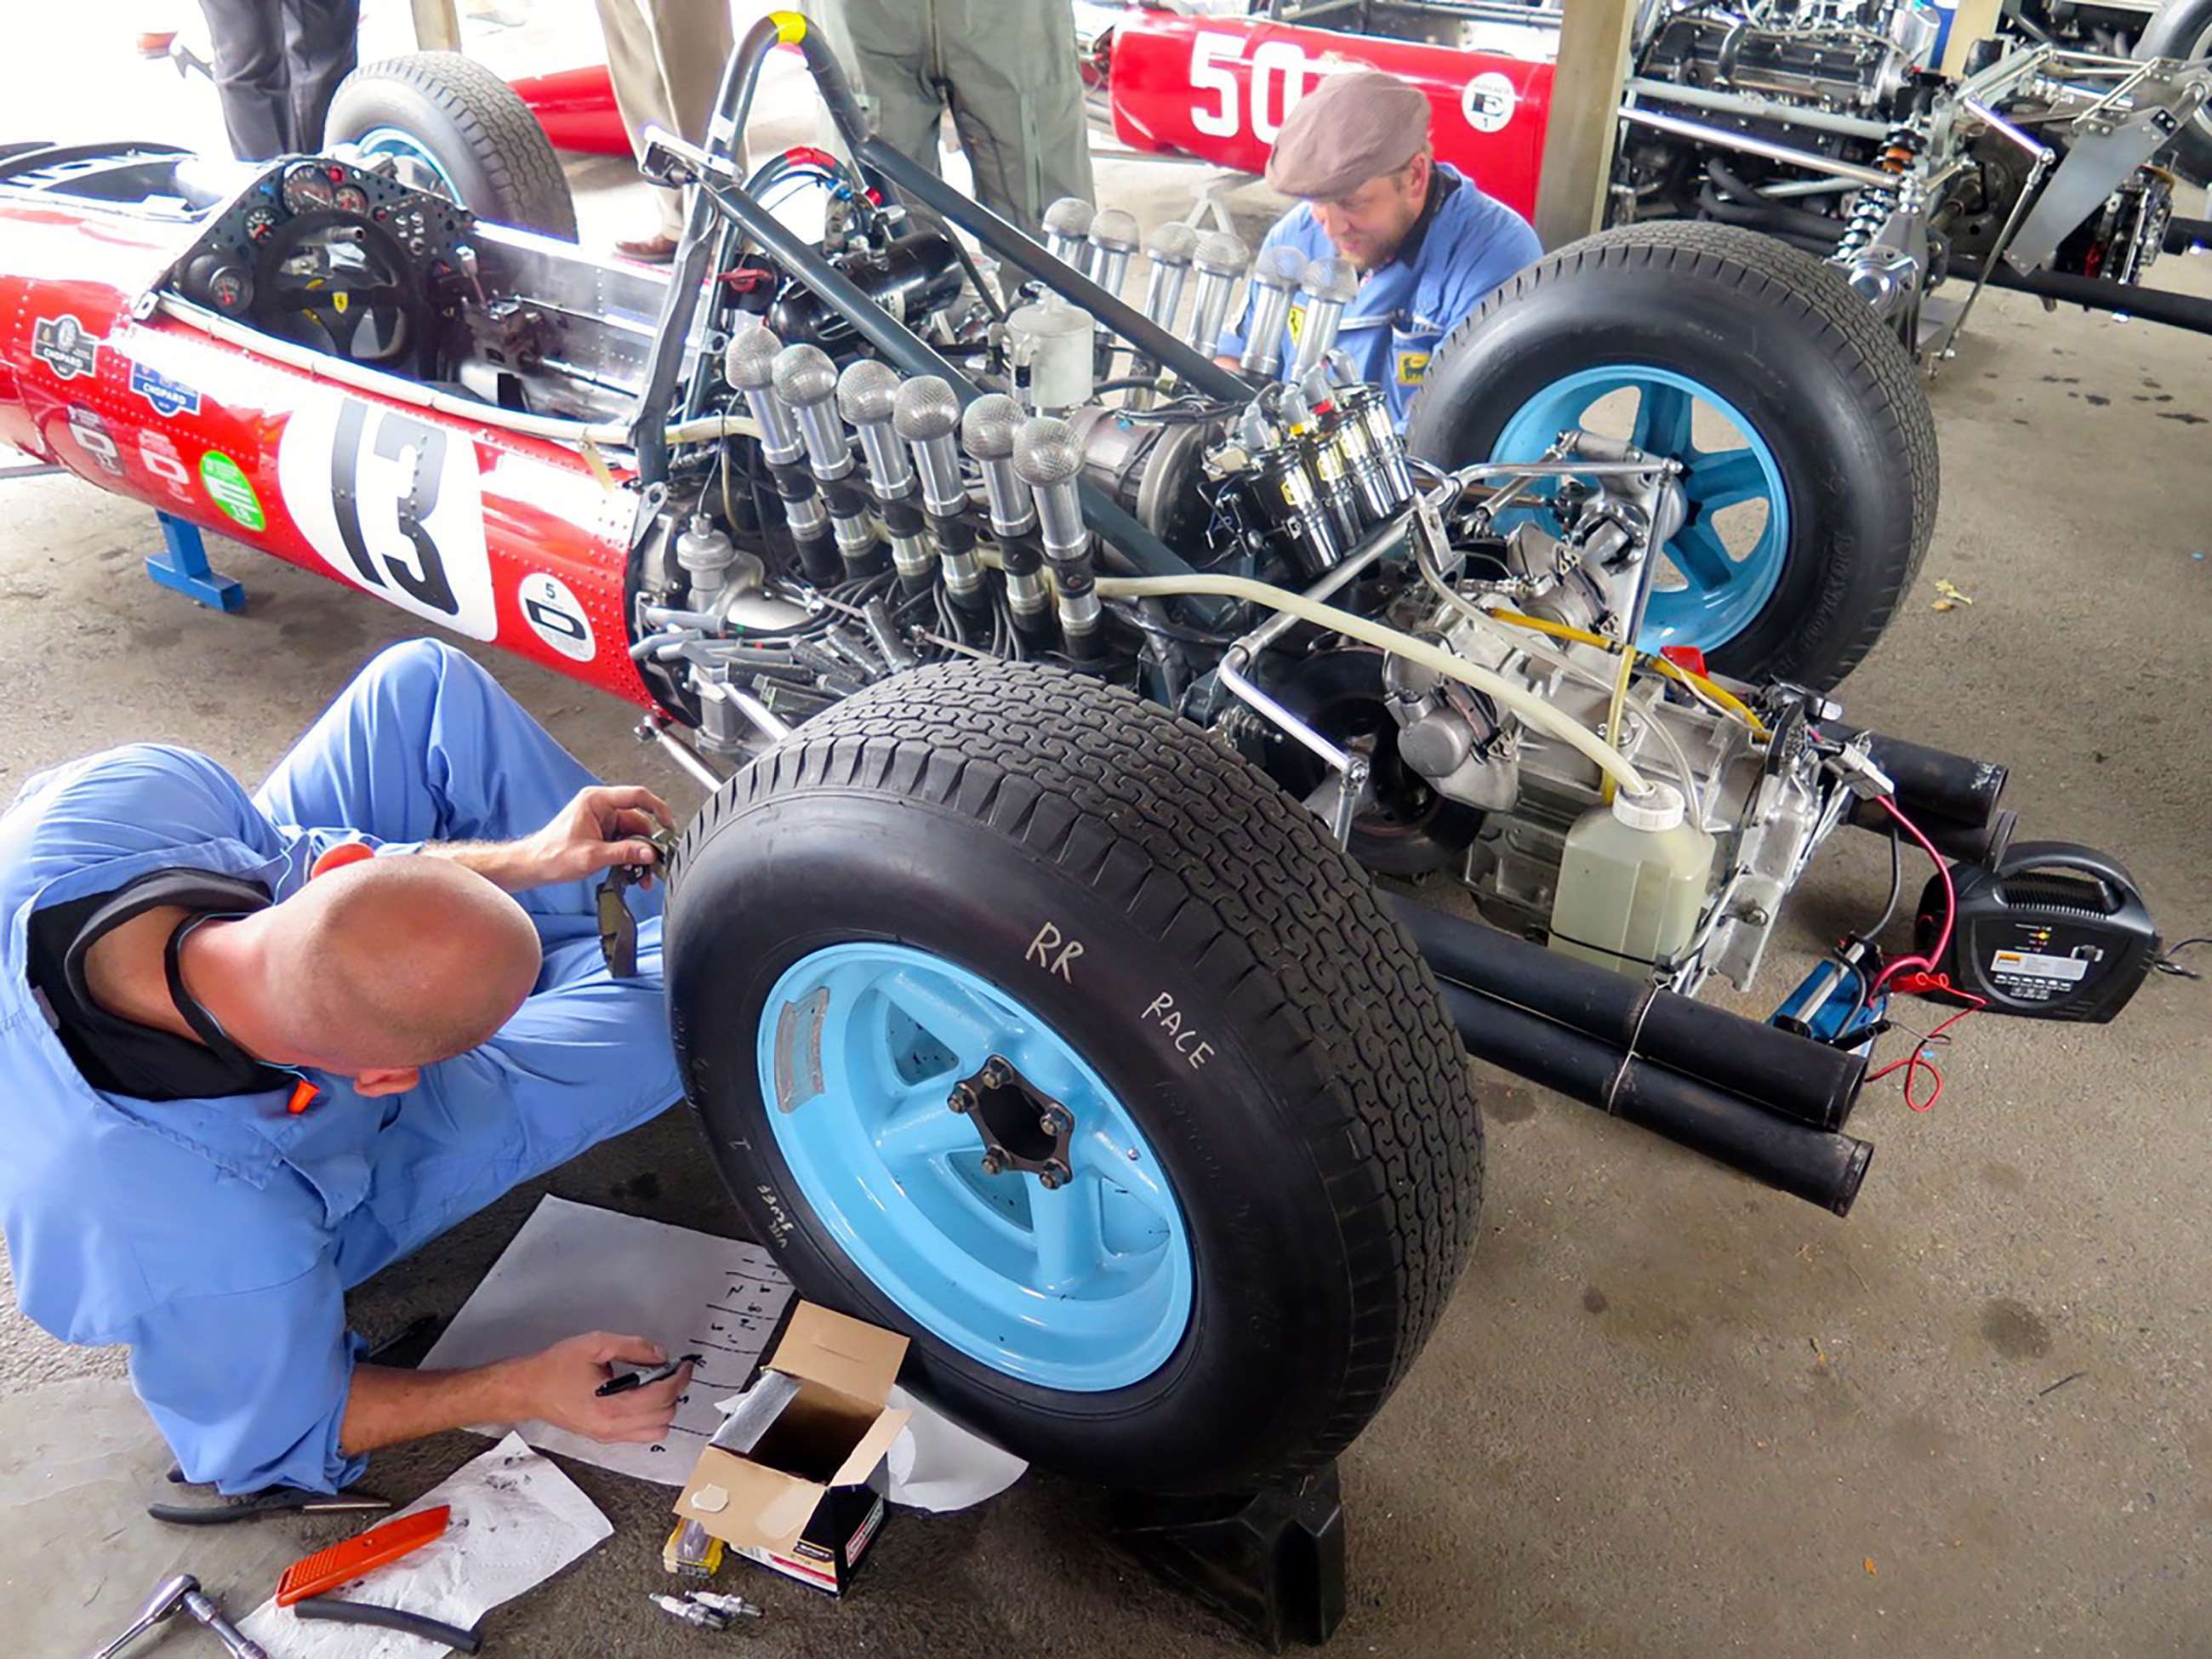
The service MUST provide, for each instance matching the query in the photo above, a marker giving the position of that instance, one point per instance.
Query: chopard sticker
(93, 438)
(62, 344)
(168, 397)
(229, 489)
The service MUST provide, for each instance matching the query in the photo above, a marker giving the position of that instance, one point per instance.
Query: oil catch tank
(2053, 931)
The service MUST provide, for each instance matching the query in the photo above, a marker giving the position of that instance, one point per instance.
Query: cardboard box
(794, 1478)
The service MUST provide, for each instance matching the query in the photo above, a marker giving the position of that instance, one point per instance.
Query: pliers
(277, 1500)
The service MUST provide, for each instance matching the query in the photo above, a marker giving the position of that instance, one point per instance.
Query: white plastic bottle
(1632, 882)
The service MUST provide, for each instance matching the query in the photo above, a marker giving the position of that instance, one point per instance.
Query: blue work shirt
(1464, 246)
(195, 1231)
(217, 1237)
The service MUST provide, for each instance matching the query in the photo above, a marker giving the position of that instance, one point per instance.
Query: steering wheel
(337, 298)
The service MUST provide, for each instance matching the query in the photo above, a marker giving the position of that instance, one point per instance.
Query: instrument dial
(259, 221)
(229, 289)
(350, 198)
(307, 189)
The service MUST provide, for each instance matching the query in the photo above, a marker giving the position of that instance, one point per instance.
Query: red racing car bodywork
(1219, 88)
(503, 536)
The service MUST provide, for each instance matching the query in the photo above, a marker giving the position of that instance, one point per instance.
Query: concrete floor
(1668, 1412)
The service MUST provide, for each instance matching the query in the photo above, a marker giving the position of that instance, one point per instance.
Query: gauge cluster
(225, 267)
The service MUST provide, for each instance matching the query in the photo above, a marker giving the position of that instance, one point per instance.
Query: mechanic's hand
(559, 1387)
(603, 826)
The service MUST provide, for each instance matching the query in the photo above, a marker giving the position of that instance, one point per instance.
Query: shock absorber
(1872, 206)
(807, 380)
(1047, 458)
(986, 431)
(1274, 279)
(868, 393)
(749, 365)
(924, 413)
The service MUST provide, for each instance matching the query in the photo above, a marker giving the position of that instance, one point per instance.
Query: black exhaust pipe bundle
(1750, 1096)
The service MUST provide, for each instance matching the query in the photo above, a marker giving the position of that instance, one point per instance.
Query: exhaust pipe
(1762, 1066)
(1814, 1165)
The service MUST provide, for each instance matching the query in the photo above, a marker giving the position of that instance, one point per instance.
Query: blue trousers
(425, 746)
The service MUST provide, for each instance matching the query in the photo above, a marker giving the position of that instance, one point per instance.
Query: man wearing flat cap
(1429, 246)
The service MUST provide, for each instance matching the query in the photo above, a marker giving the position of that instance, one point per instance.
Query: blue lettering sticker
(168, 397)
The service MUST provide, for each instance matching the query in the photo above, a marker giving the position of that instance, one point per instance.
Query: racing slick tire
(2183, 29)
(1811, 468)
(1242, 1153)
(456, 128)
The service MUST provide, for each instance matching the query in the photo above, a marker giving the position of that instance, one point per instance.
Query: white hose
(1532, 646)
(1531, 708)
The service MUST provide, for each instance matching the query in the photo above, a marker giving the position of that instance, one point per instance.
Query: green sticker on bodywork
(228, 487)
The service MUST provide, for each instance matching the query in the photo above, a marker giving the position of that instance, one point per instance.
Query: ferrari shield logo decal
(62, 344)
(168, 397)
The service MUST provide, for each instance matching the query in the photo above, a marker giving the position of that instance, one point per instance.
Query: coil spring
(1871, 208)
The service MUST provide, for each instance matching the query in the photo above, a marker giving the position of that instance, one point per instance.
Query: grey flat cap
(1352, 127)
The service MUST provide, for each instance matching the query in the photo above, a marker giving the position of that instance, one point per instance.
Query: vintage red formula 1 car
(1064, 1028)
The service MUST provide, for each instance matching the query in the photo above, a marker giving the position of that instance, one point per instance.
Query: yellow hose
(1728, 700)
(1612, 715)
(1533, 709)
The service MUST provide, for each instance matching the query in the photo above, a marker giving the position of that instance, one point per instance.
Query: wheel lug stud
(991, 1163)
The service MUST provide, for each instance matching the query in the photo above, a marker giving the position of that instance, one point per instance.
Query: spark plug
(1330, 285)
(1067, 223)
(986, 431)
(924, 413)
(867, 393)
(1274, 278)
(1220, 260)
(807, 380)
(749, 365)
(1047, 458)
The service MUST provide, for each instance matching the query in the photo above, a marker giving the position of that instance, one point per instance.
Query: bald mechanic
(1429, 247)
(235, 1092)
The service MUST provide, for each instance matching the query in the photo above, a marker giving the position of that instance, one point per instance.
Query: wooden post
(1974, 19)
(1593, 66)
(437, 26)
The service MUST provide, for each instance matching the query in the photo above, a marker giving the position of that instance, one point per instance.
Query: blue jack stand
(186, 569)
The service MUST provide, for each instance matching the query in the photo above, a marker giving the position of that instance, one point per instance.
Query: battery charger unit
(2052, 930)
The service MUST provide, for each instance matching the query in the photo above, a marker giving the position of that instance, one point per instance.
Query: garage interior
(1667, 1412)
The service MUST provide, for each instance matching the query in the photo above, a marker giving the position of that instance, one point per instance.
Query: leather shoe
(648, 250)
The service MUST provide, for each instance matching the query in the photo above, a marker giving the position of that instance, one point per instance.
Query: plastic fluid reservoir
(1632, 882)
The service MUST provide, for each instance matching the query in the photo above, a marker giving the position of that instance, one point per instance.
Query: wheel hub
(1025, 1130)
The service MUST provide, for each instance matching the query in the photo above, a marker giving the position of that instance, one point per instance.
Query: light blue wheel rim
(1084, 1289)
(392, 141)
(1721, 592)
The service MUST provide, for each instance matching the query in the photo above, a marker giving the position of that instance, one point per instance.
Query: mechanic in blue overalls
(245, 1071)
(1429, 247)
